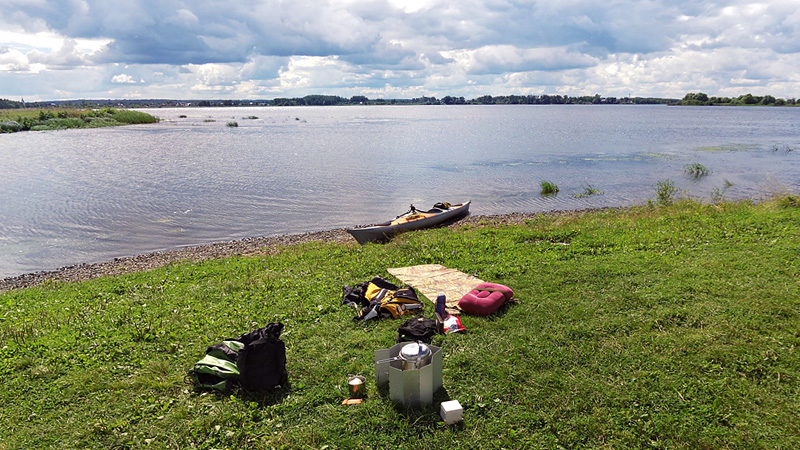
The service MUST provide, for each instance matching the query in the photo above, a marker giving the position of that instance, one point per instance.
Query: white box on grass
(451, 411)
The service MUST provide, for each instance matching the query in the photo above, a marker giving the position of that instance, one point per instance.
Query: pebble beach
(243, 247)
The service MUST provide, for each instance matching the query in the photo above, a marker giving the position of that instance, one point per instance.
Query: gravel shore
(248, 246)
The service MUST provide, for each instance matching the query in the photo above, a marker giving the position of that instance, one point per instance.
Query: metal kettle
(415, 355)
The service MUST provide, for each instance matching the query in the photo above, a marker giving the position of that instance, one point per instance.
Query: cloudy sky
(263, 49)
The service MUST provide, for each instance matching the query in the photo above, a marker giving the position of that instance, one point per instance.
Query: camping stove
(409, 384)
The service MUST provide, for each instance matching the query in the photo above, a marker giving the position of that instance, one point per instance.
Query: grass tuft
(589, 190)
(790, 201)
(665, 192)
(718, 195)
(130, 117)
(548, 188)
(696, 170)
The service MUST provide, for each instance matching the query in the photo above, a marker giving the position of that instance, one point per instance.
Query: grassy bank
(650, 327)
(13, 120)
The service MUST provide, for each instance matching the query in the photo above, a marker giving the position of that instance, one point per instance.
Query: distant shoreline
(335, 100)
(690, 99)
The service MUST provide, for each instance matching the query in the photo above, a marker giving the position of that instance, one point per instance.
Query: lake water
(80, 196)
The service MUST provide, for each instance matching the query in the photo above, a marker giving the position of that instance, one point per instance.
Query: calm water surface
(78, 196)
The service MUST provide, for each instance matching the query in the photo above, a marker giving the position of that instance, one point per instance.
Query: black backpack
(262, 360)
(256, 361)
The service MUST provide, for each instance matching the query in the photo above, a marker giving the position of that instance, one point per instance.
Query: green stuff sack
(217, 369)
(254, 361)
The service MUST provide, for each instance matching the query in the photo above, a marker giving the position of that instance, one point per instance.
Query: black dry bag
(262, 360)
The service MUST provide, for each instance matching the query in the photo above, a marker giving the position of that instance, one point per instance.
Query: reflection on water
(79, 196)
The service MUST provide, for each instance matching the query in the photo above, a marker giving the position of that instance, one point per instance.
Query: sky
(265, 49)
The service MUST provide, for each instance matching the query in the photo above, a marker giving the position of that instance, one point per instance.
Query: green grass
(650, 327)
(13, 120)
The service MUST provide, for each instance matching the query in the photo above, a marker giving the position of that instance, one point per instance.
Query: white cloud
(13, 60)
(68, 56)
(214, 77)
(411, 6)
(415, 47)
(507, 58)
(123, 79)
(183, 18)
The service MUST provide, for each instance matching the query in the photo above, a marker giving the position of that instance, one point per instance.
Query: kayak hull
(407, 222)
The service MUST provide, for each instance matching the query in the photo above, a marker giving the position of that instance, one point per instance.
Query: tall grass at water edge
(665, 192)
(13, 120)
(648, 327)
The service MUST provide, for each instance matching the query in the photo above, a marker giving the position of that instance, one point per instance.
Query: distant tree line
(334, 100)
(702, 99)
(10, 104)
(545, 99)
(324, 100)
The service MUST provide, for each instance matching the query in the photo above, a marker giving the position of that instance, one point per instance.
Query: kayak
(413, 219)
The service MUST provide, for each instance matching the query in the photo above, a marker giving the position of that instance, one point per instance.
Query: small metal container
(356, 385)
(415, 355)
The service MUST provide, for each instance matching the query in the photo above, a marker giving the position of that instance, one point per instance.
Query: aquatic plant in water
(548, 187)
(696, 170)
(589, 190)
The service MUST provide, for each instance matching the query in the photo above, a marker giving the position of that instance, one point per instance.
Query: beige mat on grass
(434, 279)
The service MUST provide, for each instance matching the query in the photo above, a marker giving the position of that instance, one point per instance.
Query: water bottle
(440, 305)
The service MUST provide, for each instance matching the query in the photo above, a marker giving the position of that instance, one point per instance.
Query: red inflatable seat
(485, 299)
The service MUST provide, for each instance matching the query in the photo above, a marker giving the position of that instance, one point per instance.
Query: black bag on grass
(262, 360)
(417, 329)
(256, 361)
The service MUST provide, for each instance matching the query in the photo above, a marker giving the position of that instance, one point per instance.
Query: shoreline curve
(243, 247)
